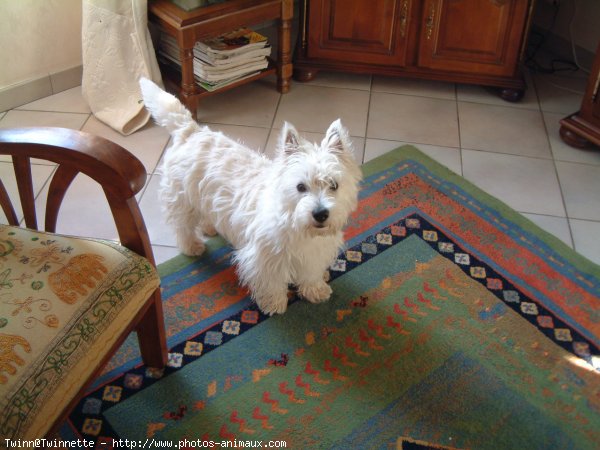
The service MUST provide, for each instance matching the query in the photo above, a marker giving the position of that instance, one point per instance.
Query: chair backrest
(120, 174)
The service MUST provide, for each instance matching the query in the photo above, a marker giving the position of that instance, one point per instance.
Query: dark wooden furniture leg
(284, 58)
(573, 136)
(582, 129)
(188, 82)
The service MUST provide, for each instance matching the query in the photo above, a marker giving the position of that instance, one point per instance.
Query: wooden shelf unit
(188, 27)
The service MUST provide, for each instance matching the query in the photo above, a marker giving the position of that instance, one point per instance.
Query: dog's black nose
(320, 214)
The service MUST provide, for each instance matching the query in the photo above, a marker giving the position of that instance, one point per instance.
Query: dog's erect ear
(289, 141)
(336, 138)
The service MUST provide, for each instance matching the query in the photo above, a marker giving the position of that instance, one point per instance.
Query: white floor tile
(160, 233)
(313, 108)
(447, 156)
(502, 129)
(560, 94)
(580, 185)
(488, 95)
(410, 86)
(358, 143)
(557, 226)
(146, 144)
(585, 235)
(253, 105)
(16, 118)
(84, 211)
(163, 254)
(341, 80)
(413, 119)
(525, 184)
(70, 100)
(39, 174)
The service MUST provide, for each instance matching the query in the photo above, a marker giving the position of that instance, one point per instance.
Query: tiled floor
(512, 151)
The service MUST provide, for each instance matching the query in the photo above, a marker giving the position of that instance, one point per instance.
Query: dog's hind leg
(207, 228)
(185, 223)
(188, 241)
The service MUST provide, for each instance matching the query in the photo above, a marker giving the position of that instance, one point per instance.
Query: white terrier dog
(283, 216)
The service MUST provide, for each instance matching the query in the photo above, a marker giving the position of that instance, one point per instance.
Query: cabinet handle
(429, 22)
(403, 17)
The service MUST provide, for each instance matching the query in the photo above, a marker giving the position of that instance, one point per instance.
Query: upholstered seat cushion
(63, 303)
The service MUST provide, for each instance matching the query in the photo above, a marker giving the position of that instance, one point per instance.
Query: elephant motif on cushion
(69, 282)
(8, 356)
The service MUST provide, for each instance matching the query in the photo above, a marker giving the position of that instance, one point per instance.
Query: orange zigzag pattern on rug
(306, 386)
(258, 415)
(334, 371)
(315, 373)
(397, 325)
(241, 422)
(378, 329)
(291, 395)
(370, 340)
(266, 398)
(356, 347)
(342, 357)
(421, 298)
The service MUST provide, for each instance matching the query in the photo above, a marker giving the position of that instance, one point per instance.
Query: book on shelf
(223, 60)
(233, 43)
(213, 86)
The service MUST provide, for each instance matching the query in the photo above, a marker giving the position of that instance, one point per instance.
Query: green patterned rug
(454, 322)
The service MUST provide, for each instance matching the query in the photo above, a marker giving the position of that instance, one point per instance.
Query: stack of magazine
(223, 60)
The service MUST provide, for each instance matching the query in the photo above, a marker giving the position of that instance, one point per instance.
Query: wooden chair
(67, 304)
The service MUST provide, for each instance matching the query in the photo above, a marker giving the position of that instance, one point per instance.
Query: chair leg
(151, 334)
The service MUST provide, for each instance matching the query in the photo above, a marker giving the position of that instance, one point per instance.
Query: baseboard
(31, 90)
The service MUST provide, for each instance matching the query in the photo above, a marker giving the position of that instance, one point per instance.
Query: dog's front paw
(272, 304)
(315, 293)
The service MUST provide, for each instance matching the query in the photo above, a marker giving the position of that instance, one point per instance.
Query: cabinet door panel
(482, 36)
(362, 31)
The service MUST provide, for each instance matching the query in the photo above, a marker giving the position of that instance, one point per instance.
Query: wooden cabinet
(363, 32)
(583, 127)
(475, 36)
(470, 41)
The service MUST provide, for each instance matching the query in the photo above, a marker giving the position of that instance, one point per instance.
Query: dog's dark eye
(333, 186)
(301, 187)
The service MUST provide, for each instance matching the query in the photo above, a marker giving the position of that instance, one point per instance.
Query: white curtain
(117, 51)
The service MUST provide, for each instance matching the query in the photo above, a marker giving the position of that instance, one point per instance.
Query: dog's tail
(166, 109)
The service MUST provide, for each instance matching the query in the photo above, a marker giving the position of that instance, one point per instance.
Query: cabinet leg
(512, 95)
(573, 139)
(304, 75)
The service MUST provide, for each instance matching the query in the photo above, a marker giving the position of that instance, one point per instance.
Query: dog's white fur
(268, 209)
